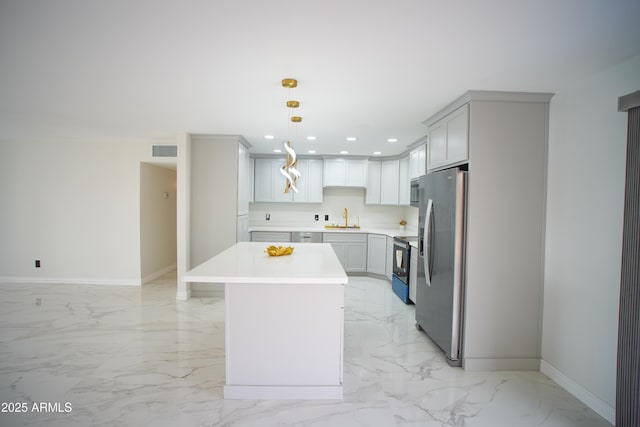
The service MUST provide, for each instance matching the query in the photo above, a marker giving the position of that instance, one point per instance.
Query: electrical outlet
(326, 217)
(37, 263)
(316, 217)
(267, 217)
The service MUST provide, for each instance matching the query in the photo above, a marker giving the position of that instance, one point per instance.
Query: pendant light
(288, 170)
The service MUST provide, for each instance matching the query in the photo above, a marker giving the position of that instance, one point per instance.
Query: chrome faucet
(345, 215)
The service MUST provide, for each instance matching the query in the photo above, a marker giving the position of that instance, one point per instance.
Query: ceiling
(369, 69)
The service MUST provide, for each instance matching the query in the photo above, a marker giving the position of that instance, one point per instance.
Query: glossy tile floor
(124, 356)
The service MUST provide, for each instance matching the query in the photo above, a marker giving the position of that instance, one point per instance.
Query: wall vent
(165, 151)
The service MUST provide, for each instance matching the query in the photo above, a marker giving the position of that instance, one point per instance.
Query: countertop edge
(267, 280)
(364, 230)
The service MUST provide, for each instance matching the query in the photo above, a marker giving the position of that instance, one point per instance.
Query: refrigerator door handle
(427, 242)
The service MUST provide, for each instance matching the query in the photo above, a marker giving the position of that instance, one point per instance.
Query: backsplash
(335, 200)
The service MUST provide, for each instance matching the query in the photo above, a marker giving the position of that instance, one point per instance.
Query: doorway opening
(158, 227)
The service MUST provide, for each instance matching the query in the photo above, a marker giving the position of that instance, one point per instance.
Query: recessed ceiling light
(377, 153)
(392, 140)
(311, 151)
(269, 137)
(277, 150)
(351, 138)
(311, 138)
(344, 152)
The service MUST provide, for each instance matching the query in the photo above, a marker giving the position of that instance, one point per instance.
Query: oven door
(401, 261)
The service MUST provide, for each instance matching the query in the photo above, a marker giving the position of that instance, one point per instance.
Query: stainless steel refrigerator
(441, 275)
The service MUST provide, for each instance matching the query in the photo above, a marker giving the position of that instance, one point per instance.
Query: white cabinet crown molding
(488, 95)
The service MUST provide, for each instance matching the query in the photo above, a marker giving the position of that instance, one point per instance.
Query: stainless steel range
(401, 265)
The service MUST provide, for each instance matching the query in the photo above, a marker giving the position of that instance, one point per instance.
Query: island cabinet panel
(302, 321)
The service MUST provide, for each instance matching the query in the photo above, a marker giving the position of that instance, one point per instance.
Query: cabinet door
(389, 182)
(278, 182)
(373, 183)
(422, 160)
(437, 145)
(356, 257)
(413, 164)
(310, 182)
(263, 180)
(389, 263)
(356, 173)
(314, 182)
(404, 185)
(334, 173)
(458, 135)
(377, 254)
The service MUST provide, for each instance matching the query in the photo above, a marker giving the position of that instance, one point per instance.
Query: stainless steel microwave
(414, 199)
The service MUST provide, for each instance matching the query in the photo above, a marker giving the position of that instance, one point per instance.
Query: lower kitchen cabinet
(270, 236)
(351, 249)
(377, 254)
(389, 262)
(413, 273)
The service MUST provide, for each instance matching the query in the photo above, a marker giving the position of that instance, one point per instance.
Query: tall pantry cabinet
(219, 194)
(505, 137)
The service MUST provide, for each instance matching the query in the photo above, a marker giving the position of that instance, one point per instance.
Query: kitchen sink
(343, 227)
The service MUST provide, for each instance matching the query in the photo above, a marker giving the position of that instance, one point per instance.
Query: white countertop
(246, 262)
(391, 232)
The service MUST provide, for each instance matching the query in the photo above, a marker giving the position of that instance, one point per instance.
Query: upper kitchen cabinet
(269, 182)
(343, 172)
(389, 182)
(310, 182)
(404, 185)
(373, 183)
(418, 161)
(449, 140)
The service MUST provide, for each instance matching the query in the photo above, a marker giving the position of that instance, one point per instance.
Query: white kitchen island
(284, 320)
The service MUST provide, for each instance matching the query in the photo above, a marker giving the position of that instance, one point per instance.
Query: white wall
(73, 205)
(587, 141)
(157, 221)
(334, 202)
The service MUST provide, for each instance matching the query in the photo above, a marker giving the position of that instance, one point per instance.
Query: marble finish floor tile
(124, 356)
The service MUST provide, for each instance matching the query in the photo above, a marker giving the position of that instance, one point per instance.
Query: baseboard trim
(501, 364)
(602, 408)
(159, 273)
(283, 392)
(70, 281)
